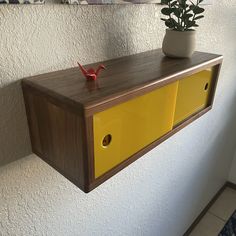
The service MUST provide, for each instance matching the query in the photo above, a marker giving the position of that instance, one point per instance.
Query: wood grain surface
(124, 78)
(60, 107)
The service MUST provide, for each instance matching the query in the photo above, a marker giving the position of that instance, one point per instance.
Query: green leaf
(166, 11)
(198, 17)
(165, 1)
(198, 10)
(192, 7)
(184, 5)
(174, 3)
(186, 16)
(177, 12)
(169, 24)
(191, 24)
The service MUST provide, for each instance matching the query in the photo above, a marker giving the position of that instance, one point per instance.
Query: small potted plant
(182, 17)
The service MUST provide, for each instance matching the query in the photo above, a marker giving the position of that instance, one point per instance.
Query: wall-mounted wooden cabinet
(90, 130)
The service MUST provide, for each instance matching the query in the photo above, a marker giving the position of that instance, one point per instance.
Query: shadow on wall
(122, 38)
(221, 149)
(118, 38)
(14, 137)
(213, 162)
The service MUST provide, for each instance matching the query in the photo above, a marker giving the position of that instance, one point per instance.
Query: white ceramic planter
(179, 44)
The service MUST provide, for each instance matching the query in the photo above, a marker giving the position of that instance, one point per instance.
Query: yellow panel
(192, 94)
(131, 126)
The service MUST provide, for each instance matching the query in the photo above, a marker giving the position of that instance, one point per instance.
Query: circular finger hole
(106, 140)
(206, 86)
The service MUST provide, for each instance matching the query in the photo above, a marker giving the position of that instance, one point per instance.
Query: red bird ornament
(91, 74)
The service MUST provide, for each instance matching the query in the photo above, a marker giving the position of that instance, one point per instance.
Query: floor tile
(210, 225)
(225, 205)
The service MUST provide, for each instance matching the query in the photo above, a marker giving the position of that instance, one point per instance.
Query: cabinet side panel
(57, 136)
(32, 121)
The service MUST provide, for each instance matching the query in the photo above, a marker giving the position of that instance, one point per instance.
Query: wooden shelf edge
(146, 88)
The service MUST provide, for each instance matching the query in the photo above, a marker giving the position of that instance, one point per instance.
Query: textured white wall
(161, 193)
(232, 174)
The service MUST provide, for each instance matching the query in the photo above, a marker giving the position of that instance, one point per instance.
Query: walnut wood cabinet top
(124, 78)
